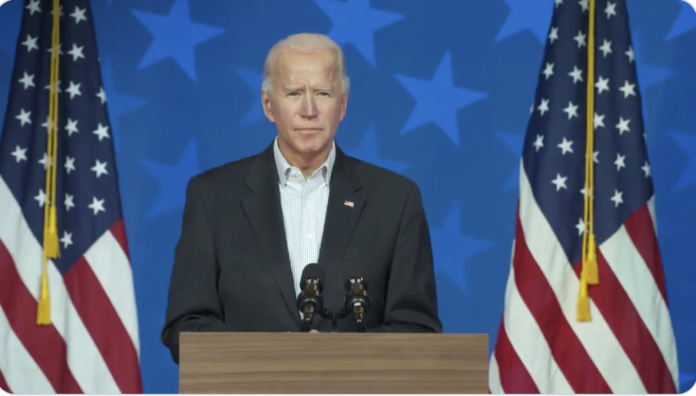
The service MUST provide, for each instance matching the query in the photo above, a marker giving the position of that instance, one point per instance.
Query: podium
(333, 363)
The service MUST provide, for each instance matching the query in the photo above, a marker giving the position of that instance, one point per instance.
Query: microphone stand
(307, 318)
(359, 315)
(340, 315)
(326, 314)
(359, 319)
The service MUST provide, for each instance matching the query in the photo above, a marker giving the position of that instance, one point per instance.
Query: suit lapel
(264, 211)
(346, 200)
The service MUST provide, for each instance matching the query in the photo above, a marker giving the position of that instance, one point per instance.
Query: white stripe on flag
(639, 284)
(494, 384)
(530, 344)
(20, 370)
(112, 268)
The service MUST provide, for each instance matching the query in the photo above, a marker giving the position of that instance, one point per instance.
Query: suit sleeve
(411, 300)
(193, 303)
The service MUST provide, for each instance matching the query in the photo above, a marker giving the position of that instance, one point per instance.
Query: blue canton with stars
(554, 147)
(440, 93)
(87, 193)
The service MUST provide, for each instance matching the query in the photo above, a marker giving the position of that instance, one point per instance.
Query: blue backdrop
(441, 92)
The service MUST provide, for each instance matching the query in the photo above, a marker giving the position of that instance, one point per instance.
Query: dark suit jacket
(232, 269)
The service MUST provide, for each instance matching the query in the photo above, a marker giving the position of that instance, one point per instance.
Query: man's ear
(344, 105)
(266, 104)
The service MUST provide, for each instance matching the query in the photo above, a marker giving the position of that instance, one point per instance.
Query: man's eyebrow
(291, 88)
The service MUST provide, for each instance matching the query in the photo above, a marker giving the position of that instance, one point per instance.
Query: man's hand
(314, 331)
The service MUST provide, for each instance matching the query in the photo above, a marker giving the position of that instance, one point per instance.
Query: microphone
(309, 301)
(357, 301)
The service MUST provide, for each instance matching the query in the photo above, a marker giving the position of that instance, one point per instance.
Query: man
(250, 226)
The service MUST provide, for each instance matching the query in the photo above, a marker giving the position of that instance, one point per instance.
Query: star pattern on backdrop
(685, 292)
(175, 36)
(452, 249)
(531, 15)
(345, 30)
(684, 23)
(253, 80)
(687, 143)
(514, 142)
(173, 179)
(9, 28)
(648, 74)
(117, 104)
(367, 151)
(686, 381)
(155, 119)
(438, 100)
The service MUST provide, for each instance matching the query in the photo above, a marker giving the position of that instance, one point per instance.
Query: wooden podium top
(333, 363)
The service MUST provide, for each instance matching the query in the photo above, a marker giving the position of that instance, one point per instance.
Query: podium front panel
(333, 363)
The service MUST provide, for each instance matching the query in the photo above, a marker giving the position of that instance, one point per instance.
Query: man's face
(306, 102)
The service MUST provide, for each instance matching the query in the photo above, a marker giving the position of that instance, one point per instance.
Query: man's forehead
(307, 74)
(306, 63)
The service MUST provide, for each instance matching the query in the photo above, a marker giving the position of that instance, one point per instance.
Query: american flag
(91, 344)
(544, 345)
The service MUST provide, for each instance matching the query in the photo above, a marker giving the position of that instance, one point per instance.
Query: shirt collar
(284, 167)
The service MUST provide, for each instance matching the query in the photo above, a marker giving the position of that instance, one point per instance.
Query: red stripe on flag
(3, 383)
(641, 230)
(568, 352)
(118, 230)
(514, 377)
(44, 343)
(630, 330)
(104, 325)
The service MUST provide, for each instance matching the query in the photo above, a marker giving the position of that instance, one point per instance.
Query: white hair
(304, 43)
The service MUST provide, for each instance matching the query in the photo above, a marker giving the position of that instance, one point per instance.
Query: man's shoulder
(380, 179)
(228, 174)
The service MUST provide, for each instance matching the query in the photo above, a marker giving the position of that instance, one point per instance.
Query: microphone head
(356, 289)
(354, 271)
(312, 271)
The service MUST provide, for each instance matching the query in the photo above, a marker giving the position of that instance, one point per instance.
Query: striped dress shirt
(304, 203)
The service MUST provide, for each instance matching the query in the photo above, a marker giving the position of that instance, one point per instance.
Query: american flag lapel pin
(348, 203)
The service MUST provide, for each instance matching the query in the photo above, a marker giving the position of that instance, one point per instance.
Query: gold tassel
(583, 314)
(590, 267)
(43, 314)
(51, 247)
(590, 271)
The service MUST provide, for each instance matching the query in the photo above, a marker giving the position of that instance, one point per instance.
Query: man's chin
(309, 150)
(310, 146)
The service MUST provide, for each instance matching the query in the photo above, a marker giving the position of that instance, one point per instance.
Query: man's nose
(309, 107)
